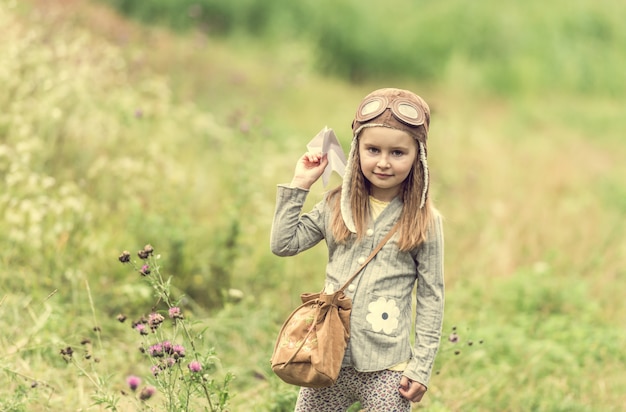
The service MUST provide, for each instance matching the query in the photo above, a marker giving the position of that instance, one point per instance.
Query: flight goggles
(404, 110)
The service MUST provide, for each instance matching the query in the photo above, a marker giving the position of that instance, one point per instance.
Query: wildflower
(145, 252)
(179, 351)
(124, 257)
(156, 350)
(145, 270)
(169, 362)
(155, 320)
(454, 338)
(175, 313)
(194, 366)
(155, 370)
(133, 382)
(141, 328)
(121, 318)
(146, 393)
(167, 347)
(67, 353)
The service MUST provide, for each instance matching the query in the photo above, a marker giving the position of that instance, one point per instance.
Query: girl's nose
(383, 163)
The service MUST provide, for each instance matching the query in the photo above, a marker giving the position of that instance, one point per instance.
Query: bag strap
(371, 256)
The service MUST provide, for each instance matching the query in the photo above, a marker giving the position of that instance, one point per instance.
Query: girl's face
(386, 157)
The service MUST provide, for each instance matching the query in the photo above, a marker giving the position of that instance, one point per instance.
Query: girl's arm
(430, 305)
(292, 232)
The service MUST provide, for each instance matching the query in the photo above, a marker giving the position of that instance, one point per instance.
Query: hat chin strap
(346, 211)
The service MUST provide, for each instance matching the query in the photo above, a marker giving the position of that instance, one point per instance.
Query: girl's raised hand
(308, 169)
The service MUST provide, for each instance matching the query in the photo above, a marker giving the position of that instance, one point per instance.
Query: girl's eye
(373, 150)
(397, 153)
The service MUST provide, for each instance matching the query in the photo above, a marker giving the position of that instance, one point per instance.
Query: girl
(386, 181)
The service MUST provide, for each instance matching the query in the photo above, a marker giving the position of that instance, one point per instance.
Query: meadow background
(124, 123)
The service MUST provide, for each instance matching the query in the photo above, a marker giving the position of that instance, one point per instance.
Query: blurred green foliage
(114, 135)
(506, 47)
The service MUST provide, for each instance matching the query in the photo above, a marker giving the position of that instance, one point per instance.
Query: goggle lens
(404, 110)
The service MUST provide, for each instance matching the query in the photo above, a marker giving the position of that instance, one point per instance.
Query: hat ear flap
(345, 205)
(425, 171)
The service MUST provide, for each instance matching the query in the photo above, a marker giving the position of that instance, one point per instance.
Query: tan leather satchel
(311, 343)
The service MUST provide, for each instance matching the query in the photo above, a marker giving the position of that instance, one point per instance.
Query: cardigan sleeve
(292, 232)
(429, 305)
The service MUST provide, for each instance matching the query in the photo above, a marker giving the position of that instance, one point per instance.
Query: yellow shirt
(377, 206)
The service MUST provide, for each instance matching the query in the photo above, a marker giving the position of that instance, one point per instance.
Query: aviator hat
(397, 109)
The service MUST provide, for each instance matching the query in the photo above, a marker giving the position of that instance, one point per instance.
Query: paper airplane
(326, 142)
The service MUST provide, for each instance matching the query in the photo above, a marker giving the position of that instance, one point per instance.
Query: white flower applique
(383, 315)
(329, 289)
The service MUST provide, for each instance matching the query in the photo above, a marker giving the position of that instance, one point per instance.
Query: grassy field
(114, 135)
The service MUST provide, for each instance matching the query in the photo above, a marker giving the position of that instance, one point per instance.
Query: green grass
(114, 135)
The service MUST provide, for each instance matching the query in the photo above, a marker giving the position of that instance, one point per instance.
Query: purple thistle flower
(133, 382)
(168, 348)
(154, 320)
(194, 366)
(156, 350)
(143, 254)
(155, 370)
(169, 362)
(146, 393)
(179, 351)
(124, 257)
(175, 313)
(145, 270)
(454, 338)
(141, 328)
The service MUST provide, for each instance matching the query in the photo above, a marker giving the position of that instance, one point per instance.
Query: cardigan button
(369, 232)
(352, 287)
(361, 260)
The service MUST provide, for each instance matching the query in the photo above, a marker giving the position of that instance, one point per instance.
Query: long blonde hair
(414, 221)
